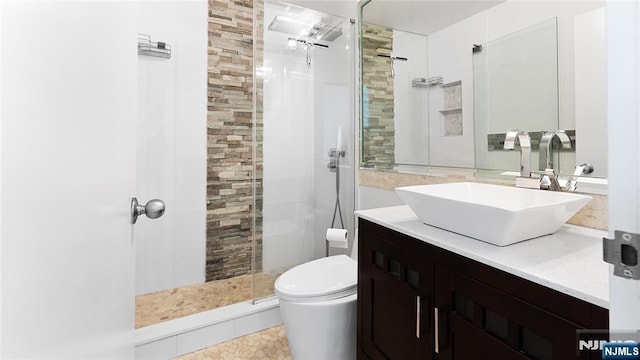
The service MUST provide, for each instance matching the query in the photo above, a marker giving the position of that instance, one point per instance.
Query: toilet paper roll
(337, 238)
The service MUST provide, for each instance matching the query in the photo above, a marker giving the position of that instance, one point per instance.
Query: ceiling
(422, 17)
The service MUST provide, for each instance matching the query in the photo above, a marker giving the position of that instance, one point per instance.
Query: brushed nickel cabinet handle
(418, 317)
(435, 320)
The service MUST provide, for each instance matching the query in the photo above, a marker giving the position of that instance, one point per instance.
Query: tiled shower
(269, 194)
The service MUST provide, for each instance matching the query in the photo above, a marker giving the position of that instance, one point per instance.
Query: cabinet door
(473, 343)
(394, 301)
(477, 321)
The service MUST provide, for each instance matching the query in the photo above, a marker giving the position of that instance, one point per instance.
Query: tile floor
(170, 304)
(268, 344)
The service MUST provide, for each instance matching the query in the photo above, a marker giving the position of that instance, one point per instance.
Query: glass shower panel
(515, 87)
(171, 158)
(304, 108)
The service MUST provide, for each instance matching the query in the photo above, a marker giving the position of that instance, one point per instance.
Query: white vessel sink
(500, 215)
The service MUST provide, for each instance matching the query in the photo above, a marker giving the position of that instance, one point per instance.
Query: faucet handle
(545, 182)
(565, 140)
(583, 169)
(513, 135)
(525, 149)
(545, 152)
(548, 181)
(510, 140)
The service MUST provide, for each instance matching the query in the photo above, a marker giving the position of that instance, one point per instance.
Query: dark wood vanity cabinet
(398, 287)
(418, 301)
(477, 321)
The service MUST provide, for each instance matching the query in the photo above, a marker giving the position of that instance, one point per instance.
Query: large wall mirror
(443, 81)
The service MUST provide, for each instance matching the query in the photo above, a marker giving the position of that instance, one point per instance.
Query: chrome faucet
(525, 179)
(548, 177)
(525, 149)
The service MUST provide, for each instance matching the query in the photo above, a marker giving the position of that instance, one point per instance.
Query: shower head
(318, 31)
(325, 32)
(293, 42)
(288, 25)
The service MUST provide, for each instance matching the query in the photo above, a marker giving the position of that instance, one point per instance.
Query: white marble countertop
(569, 261)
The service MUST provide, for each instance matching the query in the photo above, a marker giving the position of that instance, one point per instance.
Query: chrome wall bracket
(153, 48)
(622, 252)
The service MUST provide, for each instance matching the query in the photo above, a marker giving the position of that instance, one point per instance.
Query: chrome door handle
(153, 209)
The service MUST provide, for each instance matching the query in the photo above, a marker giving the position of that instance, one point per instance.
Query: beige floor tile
(171, 304)
(267, 344)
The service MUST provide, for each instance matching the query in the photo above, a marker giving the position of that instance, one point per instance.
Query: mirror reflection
(429, 100)
(515, 81)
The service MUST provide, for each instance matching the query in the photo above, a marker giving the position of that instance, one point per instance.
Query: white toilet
(318, 307)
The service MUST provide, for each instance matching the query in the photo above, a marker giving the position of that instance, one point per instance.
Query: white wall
(334, 107)
(288, 159)
(288, 153)
(1, 162)
(450, 57)
(372, 197)
(172, 115)
(516, 83)
(591, 90)
(411, 105)
(623, 91)
(68, 171)
(513, 15)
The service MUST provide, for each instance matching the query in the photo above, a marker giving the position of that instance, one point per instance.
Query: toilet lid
(322, 279)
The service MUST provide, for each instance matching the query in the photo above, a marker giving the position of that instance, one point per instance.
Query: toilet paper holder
(338, 238)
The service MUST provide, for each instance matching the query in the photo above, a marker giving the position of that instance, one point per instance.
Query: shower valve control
(334, 155)
(153, 209)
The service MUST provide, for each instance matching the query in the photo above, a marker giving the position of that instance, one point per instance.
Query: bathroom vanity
(426, 293)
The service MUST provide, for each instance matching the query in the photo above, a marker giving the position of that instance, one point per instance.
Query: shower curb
(194, 332)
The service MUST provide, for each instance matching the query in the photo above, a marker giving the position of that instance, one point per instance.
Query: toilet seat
(323, 279)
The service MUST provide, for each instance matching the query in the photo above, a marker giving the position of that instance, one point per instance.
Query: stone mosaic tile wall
(230, 159)
(452, 109)
(378, 130)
